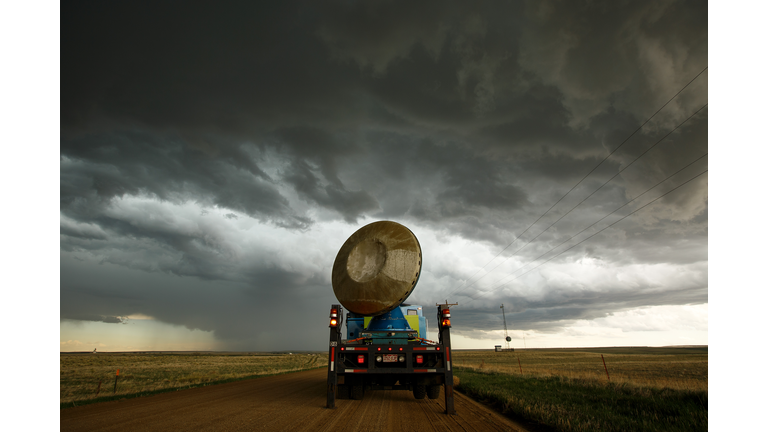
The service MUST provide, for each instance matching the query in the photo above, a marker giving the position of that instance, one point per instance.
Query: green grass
(150, 373)
(568, 404)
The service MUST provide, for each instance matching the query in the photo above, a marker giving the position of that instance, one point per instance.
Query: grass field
(650, 389)
(675, 367)
(147, 373)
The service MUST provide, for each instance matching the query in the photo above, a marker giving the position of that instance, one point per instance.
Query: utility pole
(506, 334)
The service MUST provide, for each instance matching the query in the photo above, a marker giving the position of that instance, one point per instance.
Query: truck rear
(384, 345)
(394, 358)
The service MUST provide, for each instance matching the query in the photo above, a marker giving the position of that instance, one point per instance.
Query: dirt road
(280, 403)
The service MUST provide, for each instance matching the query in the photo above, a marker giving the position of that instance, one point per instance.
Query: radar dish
(377, 268)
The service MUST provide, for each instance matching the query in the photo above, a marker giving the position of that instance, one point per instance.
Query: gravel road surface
(287, 402)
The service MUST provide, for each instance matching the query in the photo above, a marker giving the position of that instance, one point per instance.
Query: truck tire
(419, 391)
(433, 391)
(356, 392)
(342, 392)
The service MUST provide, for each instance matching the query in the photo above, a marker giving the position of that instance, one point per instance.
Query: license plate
(390, 358)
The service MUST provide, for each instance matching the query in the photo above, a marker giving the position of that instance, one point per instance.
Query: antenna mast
(506, 335)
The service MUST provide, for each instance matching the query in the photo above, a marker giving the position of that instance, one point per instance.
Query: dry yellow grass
(674, 368)
(81, 373)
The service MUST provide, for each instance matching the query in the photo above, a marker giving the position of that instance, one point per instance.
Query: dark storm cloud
(351, 204)
(615, 52)
(238, 69)
(316, 146)
(104, 166)
(179, 120)
(96, 318)
(562, 305)
(243, 317)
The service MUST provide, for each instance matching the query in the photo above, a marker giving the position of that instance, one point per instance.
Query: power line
(599, 231)
(590, 195)
(595, 191)
(604, 217)
(577, 184)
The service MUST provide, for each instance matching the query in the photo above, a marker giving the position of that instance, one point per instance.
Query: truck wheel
(433, 391)
(356, 392)
(419, 391)
(343, 392)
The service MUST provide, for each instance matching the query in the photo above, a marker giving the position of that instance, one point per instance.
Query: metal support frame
(335, 341)
(445, 340)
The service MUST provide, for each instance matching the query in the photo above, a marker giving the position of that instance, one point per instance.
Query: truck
(385, 344)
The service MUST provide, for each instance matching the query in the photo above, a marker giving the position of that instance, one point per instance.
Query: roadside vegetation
(87, 378)
(649, 389)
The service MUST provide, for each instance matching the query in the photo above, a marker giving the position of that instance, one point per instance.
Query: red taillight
(342, 348)
(419, 359)
(446, 323)
(334, 318)
(438, 348)
(361, 359)
(401, 349)
(378, 349)
(390, 348)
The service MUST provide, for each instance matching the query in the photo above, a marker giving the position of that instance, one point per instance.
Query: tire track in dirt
(293, 401)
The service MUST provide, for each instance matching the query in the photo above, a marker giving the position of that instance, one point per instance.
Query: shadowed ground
(293, 401)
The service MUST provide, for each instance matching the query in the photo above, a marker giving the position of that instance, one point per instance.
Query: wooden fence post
(116, 375)
(606, 367)
(521, 366)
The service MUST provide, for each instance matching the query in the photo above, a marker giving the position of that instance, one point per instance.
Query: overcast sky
(213, 159)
